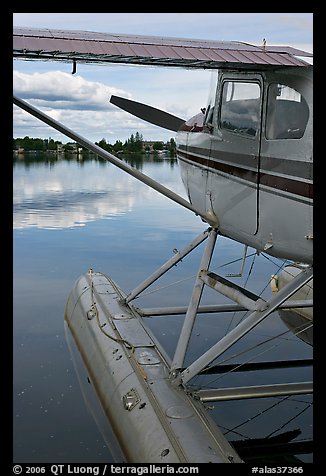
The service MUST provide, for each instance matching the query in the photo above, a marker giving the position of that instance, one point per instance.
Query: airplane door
(235, 152)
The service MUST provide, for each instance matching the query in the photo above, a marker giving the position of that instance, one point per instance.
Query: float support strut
(168, 265)
(245, 326)
(189, 320)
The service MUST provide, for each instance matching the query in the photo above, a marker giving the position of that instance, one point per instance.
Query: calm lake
(76, 213)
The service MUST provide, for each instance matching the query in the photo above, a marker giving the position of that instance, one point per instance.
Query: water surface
(72, 214)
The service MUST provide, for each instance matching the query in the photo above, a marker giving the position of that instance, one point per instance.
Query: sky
(81, 101)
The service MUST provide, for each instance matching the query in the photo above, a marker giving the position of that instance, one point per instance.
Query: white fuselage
(251, 163)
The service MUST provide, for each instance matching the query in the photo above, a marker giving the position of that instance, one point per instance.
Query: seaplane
(247, 167)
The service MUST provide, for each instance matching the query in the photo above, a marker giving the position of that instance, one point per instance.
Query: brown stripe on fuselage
(296, 187)
(194, 128)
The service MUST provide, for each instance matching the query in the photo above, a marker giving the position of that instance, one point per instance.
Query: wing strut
(113, 159)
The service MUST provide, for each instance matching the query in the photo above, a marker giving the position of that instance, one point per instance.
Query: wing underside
(93, 47)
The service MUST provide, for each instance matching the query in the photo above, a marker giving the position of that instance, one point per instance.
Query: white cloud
(83, 104)
(80, 104)
(64, 90)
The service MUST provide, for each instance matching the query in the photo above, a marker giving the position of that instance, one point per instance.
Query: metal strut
(189, 320)
(254, 391)
(168, 265)
(263, 309)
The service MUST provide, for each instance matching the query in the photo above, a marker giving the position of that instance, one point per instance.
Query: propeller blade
(148, 113)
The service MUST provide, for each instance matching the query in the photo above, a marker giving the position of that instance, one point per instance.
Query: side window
(287, 113)
(240, 108)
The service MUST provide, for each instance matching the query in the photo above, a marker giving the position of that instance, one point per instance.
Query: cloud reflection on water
(66, 195)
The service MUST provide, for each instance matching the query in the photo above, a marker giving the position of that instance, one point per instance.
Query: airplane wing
(93, 47)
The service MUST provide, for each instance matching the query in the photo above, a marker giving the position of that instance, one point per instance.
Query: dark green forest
(135, 144)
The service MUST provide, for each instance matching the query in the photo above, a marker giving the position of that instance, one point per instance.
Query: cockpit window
(287, 113)
(240, 108)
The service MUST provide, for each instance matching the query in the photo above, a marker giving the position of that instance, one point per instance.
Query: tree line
(135, 144)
